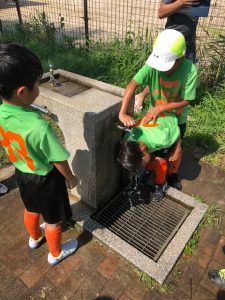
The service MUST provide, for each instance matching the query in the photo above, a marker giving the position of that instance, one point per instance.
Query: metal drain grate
(147, 226)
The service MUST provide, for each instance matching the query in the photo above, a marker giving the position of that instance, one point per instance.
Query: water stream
(134, 192)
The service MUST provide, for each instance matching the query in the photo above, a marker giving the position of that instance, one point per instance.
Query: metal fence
(103, 19)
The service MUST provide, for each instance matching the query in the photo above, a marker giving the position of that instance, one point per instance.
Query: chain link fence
(105, 19)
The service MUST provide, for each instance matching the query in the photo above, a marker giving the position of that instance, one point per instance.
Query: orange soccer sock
(31, 221)
(160, 171)
(159, 166)
(54, 239)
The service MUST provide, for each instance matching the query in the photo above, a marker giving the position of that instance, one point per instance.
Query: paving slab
(97, 272)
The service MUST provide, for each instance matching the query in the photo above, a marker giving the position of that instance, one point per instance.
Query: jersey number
(9, 137)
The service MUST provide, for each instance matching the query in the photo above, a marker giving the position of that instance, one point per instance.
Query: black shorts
(46, 195)
(164, 153)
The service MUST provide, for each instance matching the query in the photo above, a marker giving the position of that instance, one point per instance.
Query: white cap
(168, 47)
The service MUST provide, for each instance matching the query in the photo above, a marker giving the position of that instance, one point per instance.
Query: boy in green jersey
(42, 170)
(148, 146)
(171, 81)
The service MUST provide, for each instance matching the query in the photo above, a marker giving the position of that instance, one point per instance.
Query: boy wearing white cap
(171, 81)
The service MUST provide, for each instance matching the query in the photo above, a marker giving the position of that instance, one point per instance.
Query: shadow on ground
(220, 295)
(200, 145)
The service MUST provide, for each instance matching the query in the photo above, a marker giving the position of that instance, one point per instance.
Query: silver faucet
(51, 77)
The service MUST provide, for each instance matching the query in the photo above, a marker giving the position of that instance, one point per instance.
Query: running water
(133, 192)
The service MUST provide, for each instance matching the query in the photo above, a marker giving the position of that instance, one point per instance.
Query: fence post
(86, 22)
(18, 11)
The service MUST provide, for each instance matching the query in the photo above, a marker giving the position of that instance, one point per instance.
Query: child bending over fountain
(154, 147)
(42, 170)
(171, 82)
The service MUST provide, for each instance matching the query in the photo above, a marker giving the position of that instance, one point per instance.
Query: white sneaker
(3, 189)
(34, 244)
(68, 248)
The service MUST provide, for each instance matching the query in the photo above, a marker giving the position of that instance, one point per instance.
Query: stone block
(87, 119)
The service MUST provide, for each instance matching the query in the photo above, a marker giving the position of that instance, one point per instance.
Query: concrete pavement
(96, 272)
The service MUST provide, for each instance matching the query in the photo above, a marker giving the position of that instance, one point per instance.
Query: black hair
(18, 67)
(129, 155)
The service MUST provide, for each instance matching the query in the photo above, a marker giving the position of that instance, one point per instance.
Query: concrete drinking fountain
(86, 111)
(150, 235)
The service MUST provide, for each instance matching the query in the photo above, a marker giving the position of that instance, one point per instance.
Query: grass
(205, 135)
(117, 62)
(151, 283)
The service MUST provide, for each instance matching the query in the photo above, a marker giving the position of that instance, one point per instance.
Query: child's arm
(139, 99)
(177, 152)
(153, 113)
(123, 116)
(167, 9)
(64, 169)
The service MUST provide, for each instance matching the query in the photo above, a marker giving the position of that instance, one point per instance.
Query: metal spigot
(123, 128)
(41, 109)
(51, 76)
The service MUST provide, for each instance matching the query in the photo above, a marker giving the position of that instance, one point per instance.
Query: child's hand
(72, 182)
(152, 114)
(127, 120)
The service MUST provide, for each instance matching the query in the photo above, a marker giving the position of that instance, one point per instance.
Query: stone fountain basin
(86, 110)
(64, 86)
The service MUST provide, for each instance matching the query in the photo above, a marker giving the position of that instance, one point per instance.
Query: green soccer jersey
(29, 140)
(181, 84)
(161, 135)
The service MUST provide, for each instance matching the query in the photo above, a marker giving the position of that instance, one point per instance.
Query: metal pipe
(1, 30)
(41, 109)
(18, 11)
(86, 29)
(126, 129)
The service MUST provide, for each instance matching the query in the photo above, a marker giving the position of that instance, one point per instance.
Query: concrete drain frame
(147, 225)
(158, 270)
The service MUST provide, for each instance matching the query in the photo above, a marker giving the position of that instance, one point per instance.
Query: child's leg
(175, 158)
(57, 250)
(53, 234)
(174, 164)
(160, 171)
(159, 167)
(31, 221)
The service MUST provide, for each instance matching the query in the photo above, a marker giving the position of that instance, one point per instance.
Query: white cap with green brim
(168, 47)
